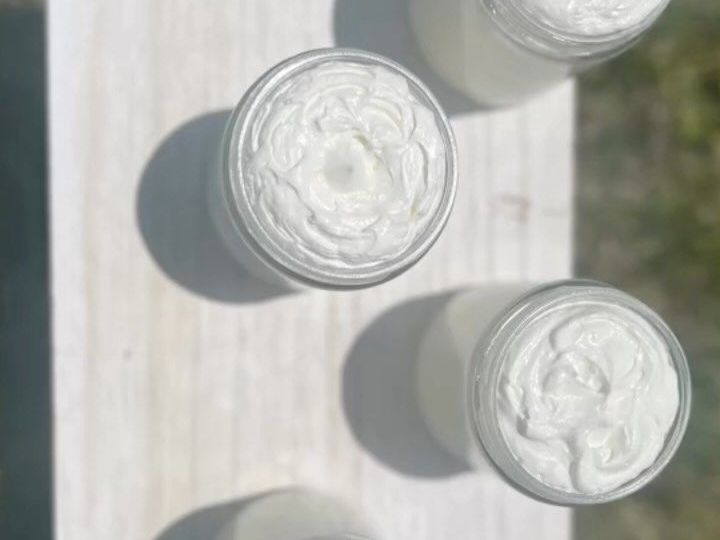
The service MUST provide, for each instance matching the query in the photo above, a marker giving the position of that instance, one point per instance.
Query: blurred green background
(647, 220)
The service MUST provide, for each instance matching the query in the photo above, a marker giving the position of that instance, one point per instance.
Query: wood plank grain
(179, 383)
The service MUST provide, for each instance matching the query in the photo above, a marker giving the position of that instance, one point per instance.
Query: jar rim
(262, 244)
(518, 23)
(487, 362)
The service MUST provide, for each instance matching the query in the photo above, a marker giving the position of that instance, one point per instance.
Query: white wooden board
(179, 383)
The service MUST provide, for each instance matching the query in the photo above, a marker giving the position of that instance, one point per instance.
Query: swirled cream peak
(592, 17)
(348, 166)
(588, 394)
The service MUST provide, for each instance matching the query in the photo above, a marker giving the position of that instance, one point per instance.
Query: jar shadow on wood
(383, 27)
(443, 363)
(405, 381)
(174, 218)
(379, 392)
(293, 513)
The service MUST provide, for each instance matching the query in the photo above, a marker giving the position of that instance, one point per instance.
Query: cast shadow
(174, 217)
(379, 395)
(382, 27)
(304, 512)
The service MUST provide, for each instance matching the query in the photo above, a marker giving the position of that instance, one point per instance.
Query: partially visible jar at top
(501, 52)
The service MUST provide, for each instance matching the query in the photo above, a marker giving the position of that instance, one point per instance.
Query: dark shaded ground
(25, 510)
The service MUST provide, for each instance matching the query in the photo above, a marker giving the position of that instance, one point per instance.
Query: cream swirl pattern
(588, 394)
(592, 17)
(347, 166)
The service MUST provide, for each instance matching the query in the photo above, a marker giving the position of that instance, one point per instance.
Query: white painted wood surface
(178, 384)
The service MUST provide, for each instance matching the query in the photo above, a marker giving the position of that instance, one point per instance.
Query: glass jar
(499, 53)
(295, 514)
(473, 336)
(442, 365)
(249, 239)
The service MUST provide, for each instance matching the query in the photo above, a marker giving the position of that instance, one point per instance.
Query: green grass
(648, 220)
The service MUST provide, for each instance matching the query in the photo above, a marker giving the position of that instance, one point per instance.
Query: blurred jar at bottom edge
(296, 514)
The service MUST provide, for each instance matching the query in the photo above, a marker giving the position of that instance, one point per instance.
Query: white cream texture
(347, 166)
(587, 396)
(592, 17)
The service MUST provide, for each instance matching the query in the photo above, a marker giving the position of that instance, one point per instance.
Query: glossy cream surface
(591, 17)
(588, 394)
(346, 165)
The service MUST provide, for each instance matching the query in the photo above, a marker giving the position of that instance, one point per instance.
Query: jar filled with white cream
(501, 52)
(576, 392)
(338, 170)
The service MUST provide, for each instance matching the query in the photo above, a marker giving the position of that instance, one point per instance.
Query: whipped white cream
(347, 166)
(592, 17)
(587, 396)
